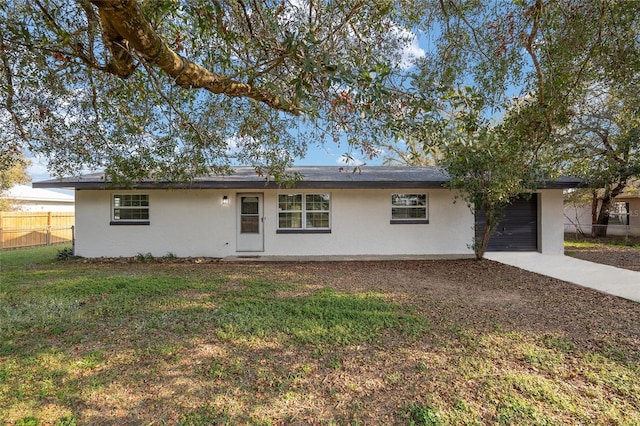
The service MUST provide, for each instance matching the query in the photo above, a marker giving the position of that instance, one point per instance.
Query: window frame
(115, 221)
(617, 215)
(303, 212)
(410, 220)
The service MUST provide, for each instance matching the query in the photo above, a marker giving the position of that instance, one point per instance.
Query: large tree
(602, 146)
(500, 85)
(173, 89)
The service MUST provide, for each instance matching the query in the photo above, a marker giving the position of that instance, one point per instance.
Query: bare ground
(484, 295)
(614, 255)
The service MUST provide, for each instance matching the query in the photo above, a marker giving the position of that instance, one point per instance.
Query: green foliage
(28, 421)
(422, 416)
(145, 257)
(66, 421)
(505, 109)
(278, 77)
(602, 146)
(489, 164)
(65, 253)
(13, 171)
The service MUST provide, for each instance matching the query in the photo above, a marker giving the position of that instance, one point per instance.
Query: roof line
(314, 177)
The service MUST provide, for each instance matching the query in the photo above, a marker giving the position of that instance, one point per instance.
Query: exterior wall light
(225, 200)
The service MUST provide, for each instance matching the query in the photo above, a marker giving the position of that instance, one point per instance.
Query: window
(409, 208)
(304, 213)
(249, 215)
(130, 209)
(619, 214)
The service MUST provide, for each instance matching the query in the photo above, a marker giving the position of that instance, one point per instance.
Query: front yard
(420, 342)
(614, 251)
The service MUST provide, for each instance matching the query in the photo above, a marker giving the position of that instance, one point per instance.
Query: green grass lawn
(572, 243)
(191, 344)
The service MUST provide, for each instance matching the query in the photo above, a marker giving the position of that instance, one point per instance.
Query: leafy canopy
(172, 89)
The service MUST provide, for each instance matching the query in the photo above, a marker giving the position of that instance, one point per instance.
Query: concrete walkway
(604, 278)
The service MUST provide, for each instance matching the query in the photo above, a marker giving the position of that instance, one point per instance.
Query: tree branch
(536, 11)
(125, 19)
(246, 17)
(8, 103)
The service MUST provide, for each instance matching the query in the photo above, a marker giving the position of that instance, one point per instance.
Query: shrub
(65, 254)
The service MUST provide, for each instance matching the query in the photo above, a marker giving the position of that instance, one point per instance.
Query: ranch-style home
(379, 211)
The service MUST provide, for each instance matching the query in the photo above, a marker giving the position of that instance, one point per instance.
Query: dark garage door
(518, 231)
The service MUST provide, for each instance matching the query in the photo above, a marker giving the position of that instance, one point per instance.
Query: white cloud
(38, 170)
(411, 50)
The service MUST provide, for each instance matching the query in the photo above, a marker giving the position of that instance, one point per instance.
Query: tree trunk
(594, 207)
(482, 247)
(123, 23)
(599, 226)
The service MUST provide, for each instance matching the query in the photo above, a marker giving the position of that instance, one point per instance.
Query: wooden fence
(30, 229)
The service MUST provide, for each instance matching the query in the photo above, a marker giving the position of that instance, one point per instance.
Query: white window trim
(115, 221)
(619, 215)
(303, 229)
(410, 221)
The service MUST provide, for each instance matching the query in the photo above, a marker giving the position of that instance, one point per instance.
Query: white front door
(250, 223)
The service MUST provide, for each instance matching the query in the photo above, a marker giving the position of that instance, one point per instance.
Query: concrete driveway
(604, 278)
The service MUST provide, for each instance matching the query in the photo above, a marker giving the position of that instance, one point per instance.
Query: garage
(518, 231)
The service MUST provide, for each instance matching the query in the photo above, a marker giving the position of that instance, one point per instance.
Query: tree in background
(16, 174)
(489, 164)
(602, 146)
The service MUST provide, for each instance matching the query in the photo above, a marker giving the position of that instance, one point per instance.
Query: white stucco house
(28, 199)
(378, 211)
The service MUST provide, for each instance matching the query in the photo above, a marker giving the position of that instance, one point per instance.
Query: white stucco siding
(195, 223)
(551, 223)
(360, 225)
(184, 223)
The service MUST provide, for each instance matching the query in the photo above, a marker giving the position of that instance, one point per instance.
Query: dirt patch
(625, 254)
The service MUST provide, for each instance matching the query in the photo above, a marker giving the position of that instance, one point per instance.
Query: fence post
(48, 228)
(1, 233)
(73, 239)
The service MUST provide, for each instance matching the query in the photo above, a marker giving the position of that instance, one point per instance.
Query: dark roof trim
(561, 183)
(314, 177)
